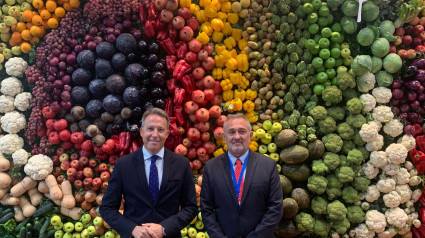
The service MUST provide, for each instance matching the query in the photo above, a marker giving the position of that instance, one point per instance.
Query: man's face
(154, 133)
(237, 136)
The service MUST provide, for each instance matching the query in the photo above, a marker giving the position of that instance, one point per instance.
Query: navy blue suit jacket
(129, 179)
(260, 210)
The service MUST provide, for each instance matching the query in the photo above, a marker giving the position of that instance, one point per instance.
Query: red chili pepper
(178, 113)
(170, 63)
(162, 35)
(169, 106)
(172, 32)
(181, 49)
(178, 96)
(416, 233)
(169, 143)
(188, 84)
(121, 143)
(177, 140)
(173, 127)
(149, 29)
(422, 214)
(168, 46)
(134, 146)
(418, 130)
(127, 140)
(142, 14)
(420, 142)
(160, 24)
(151, 11)
(171, 85)
(180, 69)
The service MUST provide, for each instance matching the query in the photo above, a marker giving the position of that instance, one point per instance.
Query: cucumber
(29, 234)
(22, 232)
(6, 217)
(51, 233)
(22, 224)
(38, 224)
(43, 210)
(44, 227)
(3, 213)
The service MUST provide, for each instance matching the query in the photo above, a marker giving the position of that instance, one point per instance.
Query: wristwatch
(163, 231)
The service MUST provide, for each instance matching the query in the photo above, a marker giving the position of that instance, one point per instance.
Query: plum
(116, 84)
(86, 59)
(81, 77)
(103, 68)
(80, 95)
(113, 104)
(131, 96)
(105, 50)
(94, 108)
(97, 88)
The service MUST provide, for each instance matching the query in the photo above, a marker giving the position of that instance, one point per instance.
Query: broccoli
(305, 222)
(345, 131)
(340, 226)
(344, 161)
(333, 193)
(321, 228)
(327, 125)
(354, 106)
(355, 156)
(337, 210)
(331, 160)
(345, 174)
(333, 181)
(332, 142)
(357, 139)
(289, 97)
(349, 94)
(337, 113)
(319, 167)
(348, 146)
(350, 194)
(317, 183)
(309, 121)
(318, 113)
(356, 121)
(345, 80)
(365, 153)
(361, 183)
(319, 205)
(332, 95)
(355, 214)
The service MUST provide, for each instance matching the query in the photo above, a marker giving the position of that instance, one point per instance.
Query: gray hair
(236, 116)
(155, 111)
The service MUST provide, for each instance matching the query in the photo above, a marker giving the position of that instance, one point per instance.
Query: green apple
(85, 234)
(78, 226)
(76, 235)
(68, 227)
(67, 235)
(200, 235)
(194, 220)
(260, 133)
(262, 149)
(274, 156)
(279, 168)
(192, 232)
(185, 236)
(199, 216)
(91, 230)
(86, 218)
(183, 231)
(55, 220)
(267, 138)
(58, 227)
(98, 221)
(206, 235)
(267, 125)
(271, 132)
(255, 136)
(272, 147)
(109, 234)
(199, 225)
(277, 127)
(59, 234)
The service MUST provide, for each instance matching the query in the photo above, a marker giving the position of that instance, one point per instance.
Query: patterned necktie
(153, 178)
(238, 170)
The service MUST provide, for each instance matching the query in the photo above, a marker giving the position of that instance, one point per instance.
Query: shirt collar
(147, 155)
(242, 158)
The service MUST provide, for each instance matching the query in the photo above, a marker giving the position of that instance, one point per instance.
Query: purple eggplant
(419, 63)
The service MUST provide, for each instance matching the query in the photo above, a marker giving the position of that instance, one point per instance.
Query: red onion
(421, 98)
(54, 61)
(71, 59)
(403, 116)
(395, 102)
(63, 56)
(398, 93)
(109, 30)
(411, 96)
(420, 119)
(93, 31)
(111, 38)
(55, 106)
(66, 96)
(119, 26)
(78, 48)
(397, 84)
(98, 39)
(62, 65)
(66, 79)
(409, 129)
(110, 22)
(117, 32)
(51, 78)
(415, 105)
(396, 110)
(420, 75)
(419, 63)
(413, 85)
(88, 37)
(404, 108)
(413, 117)
(91, 45)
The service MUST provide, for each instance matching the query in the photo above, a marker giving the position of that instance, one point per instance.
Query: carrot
(26, 184)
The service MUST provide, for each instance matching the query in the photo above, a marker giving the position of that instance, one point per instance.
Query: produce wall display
(334, 92)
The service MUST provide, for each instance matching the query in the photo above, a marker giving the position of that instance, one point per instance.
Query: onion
(126, 24)
(420, 119)
(61, 74)
(398, 93)
(413, 117)
(71, 59)
(404, 108)
(56, 52)
(78, 48)
(411, 96)
(419, 63)
(93, 31)
(409, 129)
(397, 84)
(97, 39)
(91, 45)
(415, 105)
(66, 79)
(54, 61)
(413, 85)
(62, 56)
(421, 98)
(396, 110)
(420, 75)
(111, 38)
(110, 22)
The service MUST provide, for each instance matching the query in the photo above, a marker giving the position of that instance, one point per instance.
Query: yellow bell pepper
(227, 72)
(225, 146)
(219, 60)
(253, 145)
(237, 34)
(217, 73)
(248, 106)
(217, 24)
(235, 78)
(185, 3)
(239, 93)
(203, 38)
(225, 7)
(233, 53)
(227, 95)
(218, 152)
(217, 36)
(222, 16)
(206, 3)
(252, 116)
(216, 4)
(244, 82)
(236, 105)
(226, 85)
(242, 44)
(220, 142)
(194, 9)
(229, 42)
(201, 16)
(226, 54)
(227, 29)
(206, 27)
(232, 18)
(211, 11)
(219, 48)
(251, 94)
(243, 63)
(232, 64)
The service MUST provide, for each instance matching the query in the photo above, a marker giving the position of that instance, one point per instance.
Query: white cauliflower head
(375, 145)
(361, 231)
(372, 193)
(370, 171)
(396, 153)
(393, 128)
(392, 199)
(382, 94)
(377, 124)
(378, 159)
(368, 132)
(6, 104)
(408, 141)
(369, 102)
(16, 66)
(366, 82)
(39, 166)
(405, 193)
(391, 232)
(23, 101)
(382, 114)
(391, 169)
(11, 143)
(386, 185)
(376, 221)
(396, 217)
(403, 176)
(13, 122)
(11, 86)
(20, 157)
(415, 194)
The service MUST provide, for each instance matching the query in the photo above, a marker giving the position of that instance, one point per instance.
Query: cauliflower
(377, 124)
(370, 171)
(11, 143)
(386, 185)
(403, 176)
(392, 199)
(408, 141)
(366, 82)
(39, 166)
(378, 159)
(391, 169)
(20, 157)
(393, 128)
(376, 144)
(369, 102)
(16, 66)
(354, 106)
(396, 217)
(405, 192)
(415, 195)
(372, 193)
(23, 101)
(387, 233)
(6, 104)
(11, 86)
(382, 113)
(13, 122)
(396, 153)
(361, 231)
(368, 132)
(382, 95)
(376, 221)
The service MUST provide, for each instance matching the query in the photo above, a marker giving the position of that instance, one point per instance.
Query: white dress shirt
(159, 164)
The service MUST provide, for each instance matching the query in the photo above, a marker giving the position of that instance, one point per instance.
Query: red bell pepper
(171, 85)
(151, 11)
(188, 83)
(181, 49)
(168, 46)
(178, 113)
(162, 35)
(422, 230)
(178, 96)
(422, 214)
(416, 233)
(143, 15)
(169, 143)
(172, 32)
(418, 130)
(420, 142)
(422, 201)
(170, 63)
(134, 146)
(160, 24)
(177, 140)
(169, 106)
(173, 127)
(127, 141)
(149, 29)
(180, 69)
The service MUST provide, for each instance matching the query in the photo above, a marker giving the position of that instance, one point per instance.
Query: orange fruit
(25, 47)
(27, 15)
(67, 6)
(20, 26)
(12, 43)
(52, 23)
(74, 3)
(38, 3)
(35, 31)
(37, 20)
(34, 40)
(60, 2)
(60, 12)
(45, 14)
(51, 5)
(26, 34)
(16, 37)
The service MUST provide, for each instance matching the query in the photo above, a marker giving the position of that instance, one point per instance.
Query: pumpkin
(296, 172)
(286, 184)
(286, 229)
(301, 197)
(294, 155)
(285, 138)
(290, 208)
(316, 149)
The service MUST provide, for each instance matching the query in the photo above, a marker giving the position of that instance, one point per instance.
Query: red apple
(180, 150)
(78, 184)
(393, 49)
(87, 145)
(105, 176)
(407, 40)
(398, 40)
(83, 161)
(92, 163)
(204, 158)
(59, 151)
(80, 175)
(402, 53)
(191, 153)
(113, 159)
(63, 157)
(103, 167)
(88, 172)
(399, 31)
(420, 48)
(418, 29)
(60, 179)
(422, 36)
(202, 115)
(209, 146)
(97, 183)
(218, 133)
(197, 164)
(56, 171)
(71, 179)
(416, 41)
(411, 54)
(75, 164)
(184, 12)
(65, 165)
(190, 107)
(71, 172)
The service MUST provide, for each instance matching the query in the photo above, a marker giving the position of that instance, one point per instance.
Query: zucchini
(51, 233)
(22, 232)
(6, 217)
(43, 210)
(22, 224)
(44, 227)
(38, 224)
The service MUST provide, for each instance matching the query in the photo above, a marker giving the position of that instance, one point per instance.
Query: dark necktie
(153, 178)
(238, 170)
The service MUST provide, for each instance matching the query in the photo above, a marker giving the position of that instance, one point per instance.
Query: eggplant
(411, 70)
(420, 75)
(419, 63)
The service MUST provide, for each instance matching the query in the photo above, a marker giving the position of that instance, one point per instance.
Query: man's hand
(144, 232)
(155, 228)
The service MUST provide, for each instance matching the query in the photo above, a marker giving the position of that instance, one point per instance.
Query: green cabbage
(365, 37)
(392, 63)
(370, 11)
(350, 8)
(387, 29)
(334, 4)
(384, 79)
(380, 47)
(349, 25)
(376, 64)
(361, 64)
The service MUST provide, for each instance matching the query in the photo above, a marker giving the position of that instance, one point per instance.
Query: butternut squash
(68, 200)
(74, 213)
(8, 200)
(52, 184)
(55, 201)
(3, 191)
(19, 215)
(35, 196)
(42, 187)
(5, 180)
(27, 208)
(20, 188)
(4, 163)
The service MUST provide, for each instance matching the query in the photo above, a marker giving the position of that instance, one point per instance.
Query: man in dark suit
(155, 183)
(241, 194)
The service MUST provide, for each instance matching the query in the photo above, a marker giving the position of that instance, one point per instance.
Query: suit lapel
(249, 174)
(227, 175)
(139, 164)
(165, 173)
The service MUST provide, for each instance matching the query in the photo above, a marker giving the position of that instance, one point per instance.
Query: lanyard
(237, 183)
